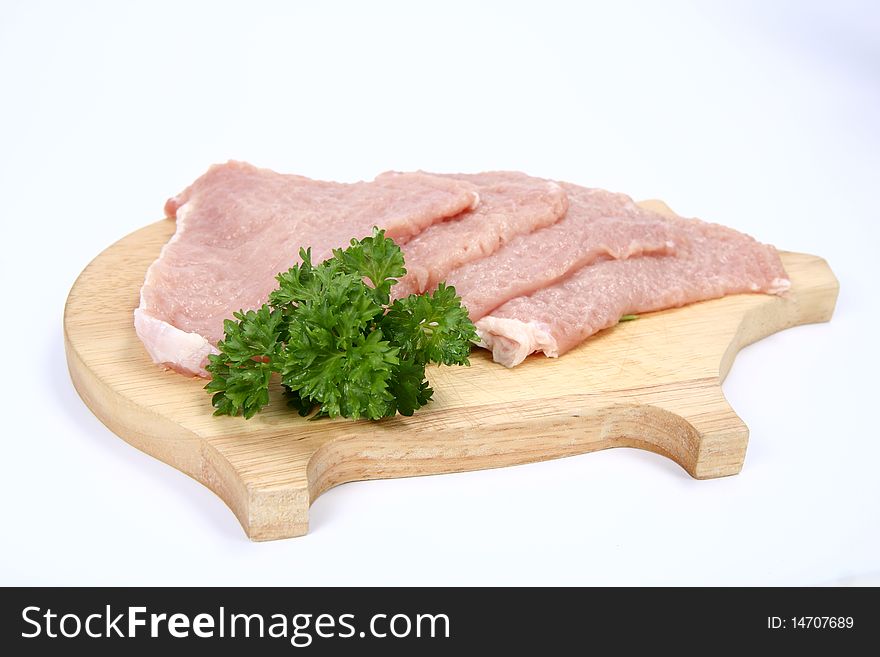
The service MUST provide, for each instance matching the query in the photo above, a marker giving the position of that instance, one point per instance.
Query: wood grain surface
(654, 383)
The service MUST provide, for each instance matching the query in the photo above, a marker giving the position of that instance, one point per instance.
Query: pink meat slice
(238, 226)
(598, 224)
(511, 204)
(714, 261)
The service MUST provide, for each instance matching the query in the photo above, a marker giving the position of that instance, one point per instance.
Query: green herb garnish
(337, 343)
(628, 318)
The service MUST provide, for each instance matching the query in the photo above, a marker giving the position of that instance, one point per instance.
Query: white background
(761, 115)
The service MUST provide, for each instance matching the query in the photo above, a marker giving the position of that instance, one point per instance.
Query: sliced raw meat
(598, 224)
(238, 226)
(511, 204)
(713, 262)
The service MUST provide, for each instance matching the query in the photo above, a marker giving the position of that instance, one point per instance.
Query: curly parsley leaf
(410, 387)
(431, 328)
(350, 381)
(338, 346)
(376, 258)
(242, 371)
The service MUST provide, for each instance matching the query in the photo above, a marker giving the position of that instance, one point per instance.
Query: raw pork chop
(511, 204)
(238, 226)
(712, 262)
(598, 224)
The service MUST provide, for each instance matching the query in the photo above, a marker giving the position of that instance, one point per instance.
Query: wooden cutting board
(654, 383)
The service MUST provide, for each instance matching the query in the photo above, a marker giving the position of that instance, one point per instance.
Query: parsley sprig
(338, 344)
